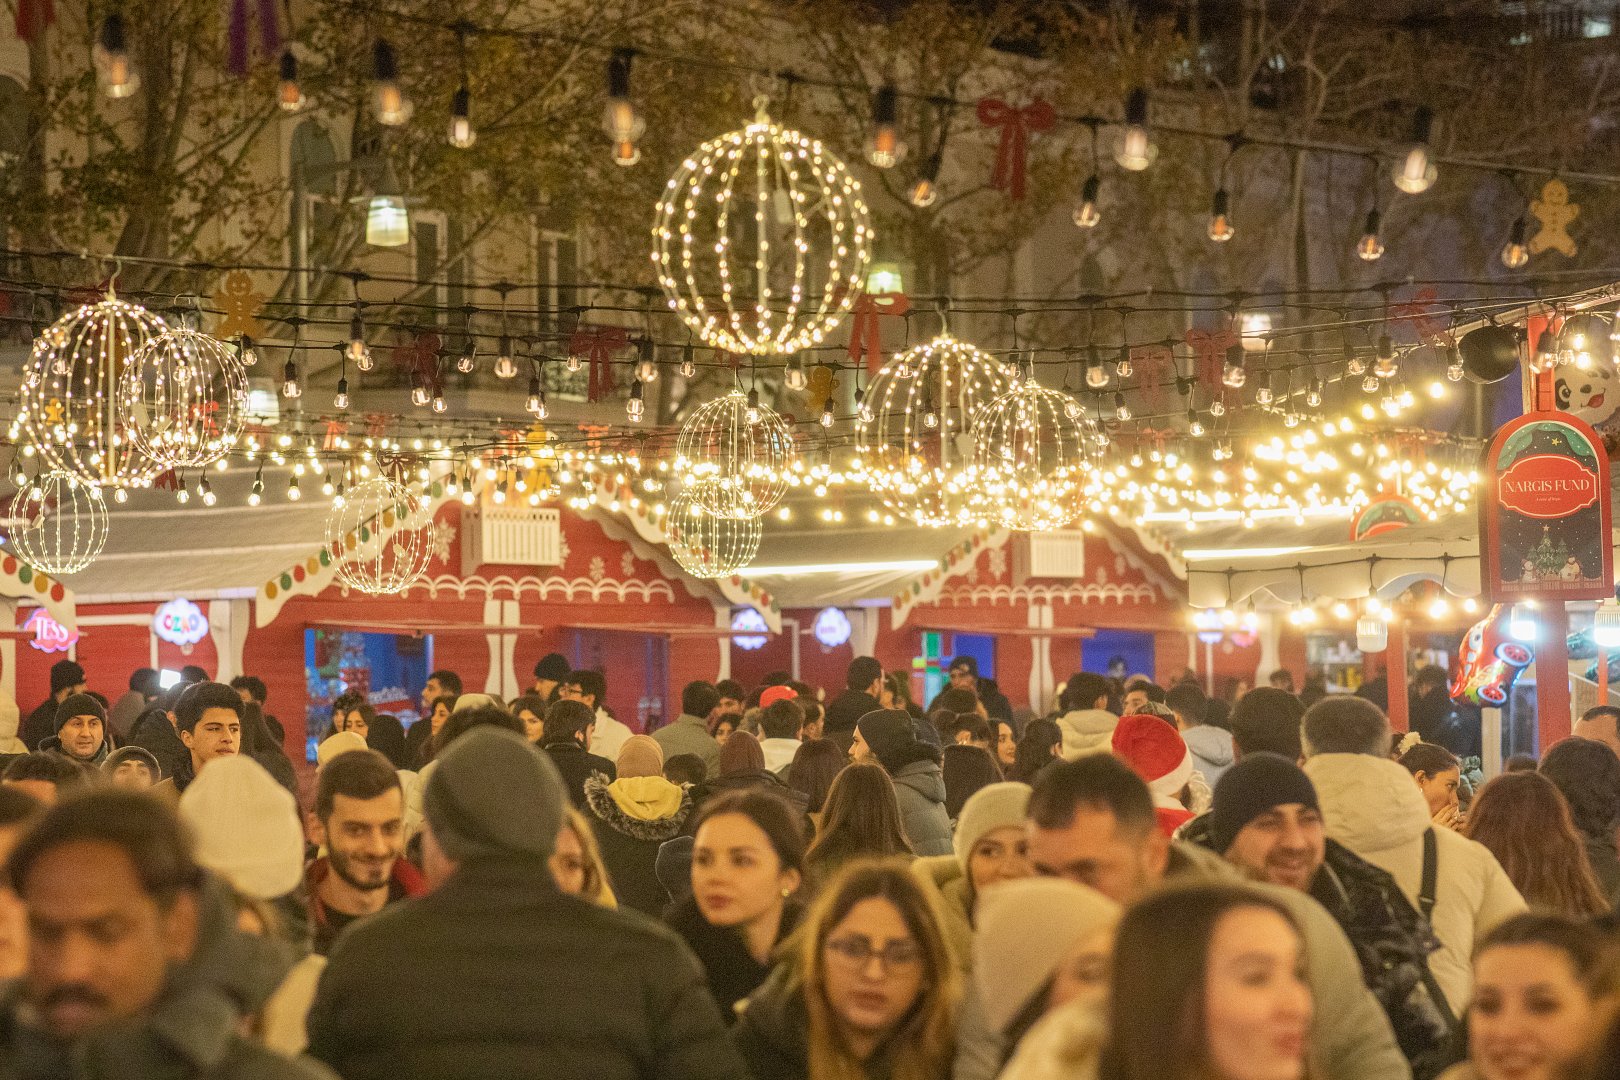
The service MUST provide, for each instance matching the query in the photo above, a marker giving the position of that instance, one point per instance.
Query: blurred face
(1257, 1005)
(441, 713)
(133, 775)
(1283, 846)
(962, 679)
(81, 736)
(1530, 1019)
(729, 704)
(99, 946)
(568, 862)
(1094, 850)
(1601, 728)
(572, 692)
(356, 722)
(737, 878)
(533, 726)
(999, 855)
(1135, 700)
(723, 730)
(363, 837)
(217, 734)
(874, 969)
(1006, 745)
(813, 729)
(1084, 971)
(887, 699)
(13, 915)
(432, 692)
(1439, 790)
(858, 750)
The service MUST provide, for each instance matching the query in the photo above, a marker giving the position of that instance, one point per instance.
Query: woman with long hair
(861, 817)
(869, 992)
(1225, 967)
(577, 865)
(1526, 824)
(967, 769)
(815, 766)
(1438, 774)
(1041, 745)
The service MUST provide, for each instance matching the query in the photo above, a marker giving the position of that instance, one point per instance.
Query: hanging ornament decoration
(239, 306)
(865, 329)
(69, 393)
(914, 429)
(734, 454)
(1555, 212)
(761, 240)
(58, 523)
(708, 545)
(1016, 124)
(184, 398)
(1030, 453)
(380, 537)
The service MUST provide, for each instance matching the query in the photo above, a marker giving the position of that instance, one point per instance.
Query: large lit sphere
(69, 393)
(379, 537)
(706, 544)
(761, 240)
(735, 467)
(58, 523)
(1030, 458)
(183, 397)
(914, 429)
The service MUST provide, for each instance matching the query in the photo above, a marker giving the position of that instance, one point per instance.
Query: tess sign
(180, 622)
(49, 635)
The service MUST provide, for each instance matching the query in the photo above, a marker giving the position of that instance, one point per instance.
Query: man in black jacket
(567, 732)
(863, 681)
(496, 972)
(964, 675)
(67, 678)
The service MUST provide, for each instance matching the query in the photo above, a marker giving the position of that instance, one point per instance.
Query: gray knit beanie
(492, 795)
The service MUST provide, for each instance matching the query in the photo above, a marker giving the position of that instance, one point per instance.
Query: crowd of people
(787, 883)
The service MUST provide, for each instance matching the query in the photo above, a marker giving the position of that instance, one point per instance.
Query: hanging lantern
(70, 393)
(1372, 634)
(379, 536)
(184, 396)
(58, 523)
(734, 453)
(709, 545)
(1030, 457)
(761, 240)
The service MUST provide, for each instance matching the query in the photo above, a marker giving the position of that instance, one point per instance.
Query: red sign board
(49, 635)
(1545, 513)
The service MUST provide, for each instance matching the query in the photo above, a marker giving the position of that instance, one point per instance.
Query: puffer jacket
(632, 817)
(1371, 806)
(1211, 749)
(1087, 731)
(942, 874)
(920, 787)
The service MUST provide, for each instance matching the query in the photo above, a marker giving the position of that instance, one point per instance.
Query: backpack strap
(1430, 874)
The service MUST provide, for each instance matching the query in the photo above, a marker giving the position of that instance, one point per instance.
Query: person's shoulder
(248, 1060)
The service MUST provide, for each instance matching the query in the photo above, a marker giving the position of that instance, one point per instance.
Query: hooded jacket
(632, 817)
(1371, 806)
(943, 875)
(920, 788)
(1211, 749)
(1087, 731)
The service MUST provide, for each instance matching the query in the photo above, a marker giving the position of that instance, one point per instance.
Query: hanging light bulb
(205, 491)
(256, 493)
(574, 362)
(1122, 411)
(794, 378)
(1234, 374)
(1454, 365)
(827, 417)
(1217, 408)
(1415, 171)
(1547, 350)
(1122, 366)
(461, 133)
(646, 363)
(293, 491)
(1134, 150)
(246, 354)
(1195, 426)
(1370, 384)
(388, 222)
(620, 118)
(1370, 248)
(752, 413)
(356, 349)
(634, 407)
(420, 396)
(289, 95)
(1086, 215)
(341, 401)
(1264, 395)
(1313, 394)
(884, 149)
(924, 189)
(1220, 217)
(388, 101)
(688, 365)
(505, 365)
(289, 381)
(1096, 374)
(1355, 365)
(536, 405)
(1516, 252)
(439, 404)
(114, 70)
(930, 416)
(468, 358)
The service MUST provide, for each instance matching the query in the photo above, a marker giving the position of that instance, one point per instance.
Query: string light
(536, 404)
(924, 189)
(1415, 170)
(341, 400)
(289, 94)
(735, 455)
(1370, 248)
(689, 365)
(1122, 411)
(646, 364)
(623, 124)
(294, 493)
(114, 70)
(1030, 459)
(1516, 252)
(290, 387)
(388, 101)
(1134, 149)
(505, 364)
(58, 523)
(439, 404)
(634, 407)
(381, 535)
(1220, 217)
(357, 351)
(1086, 215)
(183, 396)
(705, 544)
(461, 134)
(794, 378)
(884, 148)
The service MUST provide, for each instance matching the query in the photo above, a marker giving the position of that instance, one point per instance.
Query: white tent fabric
(849, 550)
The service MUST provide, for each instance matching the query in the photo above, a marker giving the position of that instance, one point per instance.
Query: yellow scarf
(646, 798)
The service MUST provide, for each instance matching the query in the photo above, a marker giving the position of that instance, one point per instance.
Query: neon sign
(49, 635)
(832, 627)
(180, 622)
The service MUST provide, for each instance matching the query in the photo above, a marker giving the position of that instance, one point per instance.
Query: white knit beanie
(992, 807)
(1023, 930)
(340, 742)
(246, 826)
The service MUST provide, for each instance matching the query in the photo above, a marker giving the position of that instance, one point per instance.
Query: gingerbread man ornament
(823, 384)
(1555, 212)
(239, 306)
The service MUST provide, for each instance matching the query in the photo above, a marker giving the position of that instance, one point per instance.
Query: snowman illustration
(1571, 570)
(1529, 574)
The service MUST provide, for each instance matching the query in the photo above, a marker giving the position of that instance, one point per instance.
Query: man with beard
(360, 821)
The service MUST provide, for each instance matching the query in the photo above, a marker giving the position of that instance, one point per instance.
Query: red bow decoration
(597, 344)
(419, 358)
(33, 16)
(167, 480)
(1419, 311)
(593, 436)
(376, 424)
(865, 332)
(1153, 365)
(335, 430)
(1012, 155)
(1209, 353)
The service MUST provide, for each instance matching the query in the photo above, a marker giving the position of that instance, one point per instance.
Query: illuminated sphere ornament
(761, 240)
(709, 545)
(184, 396)
(58, 523)
(379, 536)
(69, 393)
(733, 466)
(1030, 458)
(914, 429)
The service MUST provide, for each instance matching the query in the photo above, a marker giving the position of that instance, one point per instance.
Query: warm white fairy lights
(58, 523)
(1031, 456)
(709, 545)
(761, 240)
(184, 398)
(70, 392)
(734, 453)
(378, 534)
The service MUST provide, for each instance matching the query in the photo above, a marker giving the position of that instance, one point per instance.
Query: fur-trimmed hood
(606, 804)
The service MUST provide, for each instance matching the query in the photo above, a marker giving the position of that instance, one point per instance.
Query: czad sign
(180, 622)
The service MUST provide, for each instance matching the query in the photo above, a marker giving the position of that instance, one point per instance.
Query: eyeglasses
(857, 953)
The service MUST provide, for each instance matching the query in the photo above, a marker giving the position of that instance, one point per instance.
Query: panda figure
(1592, 394)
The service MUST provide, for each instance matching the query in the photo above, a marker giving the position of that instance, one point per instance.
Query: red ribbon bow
(1015, 124)
(1209, 350)
(1419, 311)
(865, 333)
(1153, 364)
(597, 344)
(335, 430)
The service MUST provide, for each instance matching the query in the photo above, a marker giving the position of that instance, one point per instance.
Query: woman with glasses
(870, 991)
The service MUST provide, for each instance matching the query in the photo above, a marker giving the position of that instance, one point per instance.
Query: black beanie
(552, 666)
(65, 674)
(79, 705)
(888, 732)
(1251, 787)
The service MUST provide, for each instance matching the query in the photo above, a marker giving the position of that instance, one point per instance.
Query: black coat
(38, 725)
(577, 766)
(731, 969)
(630, 847)
(155, 734)
(497, 974)
(772, 1032)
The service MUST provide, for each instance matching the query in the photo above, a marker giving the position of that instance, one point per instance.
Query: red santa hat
(1155, 751)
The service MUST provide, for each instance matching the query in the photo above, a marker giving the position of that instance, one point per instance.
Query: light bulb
(1516, 253)
(1370, 248)
(930, 417)
(341, 401)
(574, 362)
(1134, 149)
(1313, 395)
(289, 95)
(257, 493)
(620, 119)
(1122, 411)
(884, 148)
(505, 366)
(289, 381)
(647, 367)
(467, 360)
(794, 378)
(1415, 171)
(439, 404)
(1220, 218)
(246, 354)
(293, 491)
(1234, 374)
(1217, 407)
(420, 396)
(461, 133)
(752, 412)
(923, 192)
(1355, 365)
(1096, 374)
(1263, 395)
(827, 416)
(1086, 215)
(114, 70)
(1370, 383)
(388, 101)
(1122, 366)
(205, 491)
(1195, 426)
(537, 399)
(688, 365)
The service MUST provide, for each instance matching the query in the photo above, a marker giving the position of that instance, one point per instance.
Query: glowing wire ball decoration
(914, 432)
(379, 536)
(761, 240)
(69, 393)
(1030, 457)
(735, 466)
(184, 397)
(705, 544)
(58, 523)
